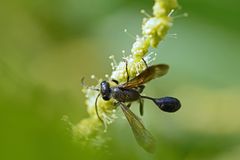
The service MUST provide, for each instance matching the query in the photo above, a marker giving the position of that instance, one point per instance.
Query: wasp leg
(127, 70)
(145, 63)
(141, 104)
(129, 105)
(115, 81)
(140, 88)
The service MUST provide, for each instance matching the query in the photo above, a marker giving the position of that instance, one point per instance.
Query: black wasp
(131, 91)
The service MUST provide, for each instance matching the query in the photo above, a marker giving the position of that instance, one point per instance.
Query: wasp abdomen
(168, 104)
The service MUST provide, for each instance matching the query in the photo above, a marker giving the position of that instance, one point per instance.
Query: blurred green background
(47, 46)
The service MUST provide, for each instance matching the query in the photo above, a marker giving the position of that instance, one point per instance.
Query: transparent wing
(142, 135)
(147, 75)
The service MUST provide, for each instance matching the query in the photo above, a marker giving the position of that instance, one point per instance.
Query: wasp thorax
(105, 90)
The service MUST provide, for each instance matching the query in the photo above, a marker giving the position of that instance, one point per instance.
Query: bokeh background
(47, 46)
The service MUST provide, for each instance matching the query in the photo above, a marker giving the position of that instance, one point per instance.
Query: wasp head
(105, 90)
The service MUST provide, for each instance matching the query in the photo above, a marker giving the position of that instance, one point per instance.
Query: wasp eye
(168, 104)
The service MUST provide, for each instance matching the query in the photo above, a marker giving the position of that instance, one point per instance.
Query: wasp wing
(147, 75)
(142, 135)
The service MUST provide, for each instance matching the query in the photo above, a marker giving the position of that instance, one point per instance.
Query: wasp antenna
(84, 85)
(95, 89)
